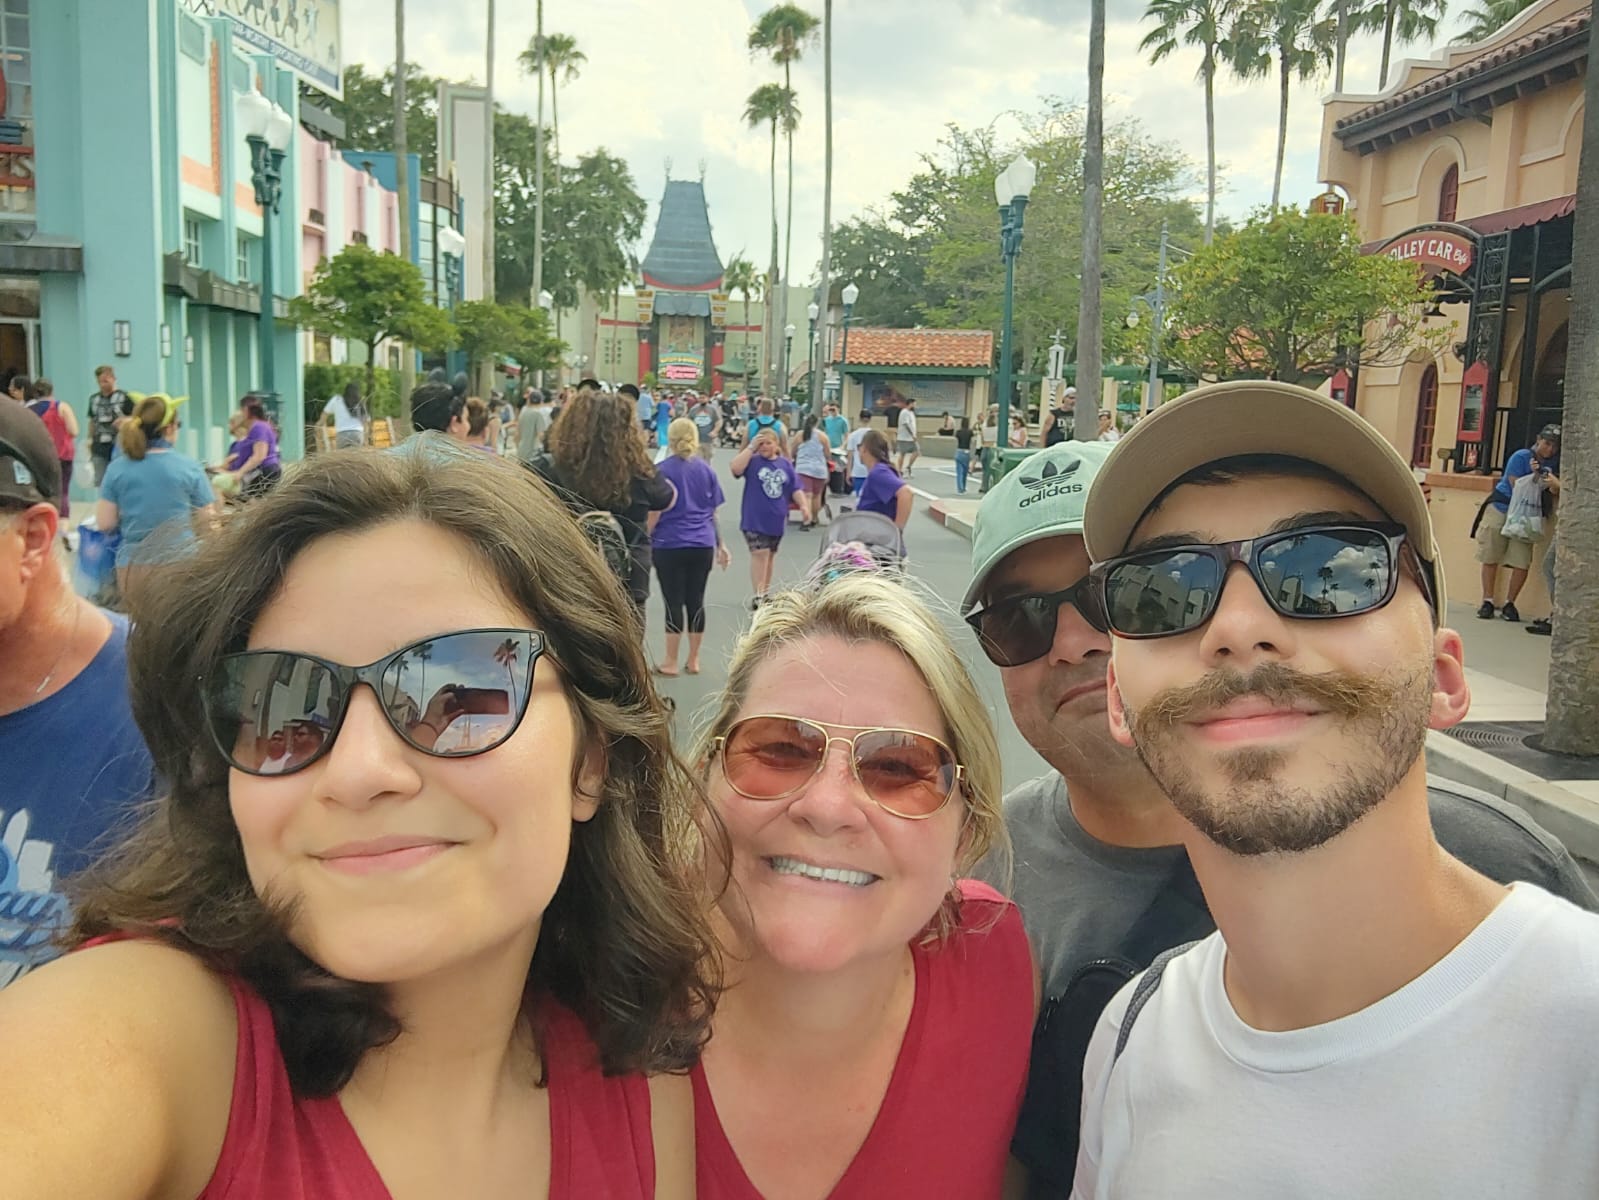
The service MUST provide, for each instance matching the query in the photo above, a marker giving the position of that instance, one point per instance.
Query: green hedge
(325, 380)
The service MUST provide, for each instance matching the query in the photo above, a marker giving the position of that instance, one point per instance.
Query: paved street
(939, 559)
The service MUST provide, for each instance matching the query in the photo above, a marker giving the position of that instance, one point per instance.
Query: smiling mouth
(1082, 689)
(841, 875)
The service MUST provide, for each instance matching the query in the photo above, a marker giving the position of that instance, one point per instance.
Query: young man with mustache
(1373, 1018)
(1100, 871)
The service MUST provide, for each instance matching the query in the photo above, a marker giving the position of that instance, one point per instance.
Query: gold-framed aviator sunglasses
(906, 773)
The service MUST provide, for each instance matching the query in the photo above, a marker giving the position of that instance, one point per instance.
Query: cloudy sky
(667, 80)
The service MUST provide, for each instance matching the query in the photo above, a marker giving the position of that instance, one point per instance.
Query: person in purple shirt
(884, 491)
(770, 483)
(687, 543)
(261, 469)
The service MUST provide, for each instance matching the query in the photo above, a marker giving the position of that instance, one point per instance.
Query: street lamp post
(1011, 190)
(812, 310)
(849, 295)
(1157, 308)
(547, 303)
(788, 355)
(453, 247)
(267, 129)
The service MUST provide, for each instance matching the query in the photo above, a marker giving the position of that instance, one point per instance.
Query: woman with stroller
(884, 491)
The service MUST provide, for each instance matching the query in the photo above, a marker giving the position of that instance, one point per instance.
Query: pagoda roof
(682, 255)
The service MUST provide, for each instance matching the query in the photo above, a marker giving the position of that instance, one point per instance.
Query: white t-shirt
(907, 425)
(343, 421)
(857, 469)
(1476, 1079)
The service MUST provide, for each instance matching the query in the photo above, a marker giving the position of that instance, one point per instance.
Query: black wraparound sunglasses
(1020, 629)
(1317, 572)
(273, 712)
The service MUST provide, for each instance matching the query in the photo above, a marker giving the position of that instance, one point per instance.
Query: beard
(1252, 812)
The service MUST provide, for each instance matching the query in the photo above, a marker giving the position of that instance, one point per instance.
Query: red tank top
(282, 1147)
(945, 1125)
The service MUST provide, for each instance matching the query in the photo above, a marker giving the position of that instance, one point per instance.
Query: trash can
(1001, 461)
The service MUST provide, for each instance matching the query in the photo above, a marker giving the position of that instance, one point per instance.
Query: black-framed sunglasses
(1019, 629)
(906, 773)
(1317, 572)
(454, 695)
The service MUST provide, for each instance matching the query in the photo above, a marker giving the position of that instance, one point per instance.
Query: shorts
(904, 446)
(812, 486)
(1495, 549)
(760, 541)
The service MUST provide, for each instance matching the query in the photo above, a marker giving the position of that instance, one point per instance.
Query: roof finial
(702, 170)
(668, 170)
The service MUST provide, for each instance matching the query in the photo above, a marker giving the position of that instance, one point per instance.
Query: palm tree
(770, 104)
(1489, 17)
(1293, 36)
(741, 277)
(783, 32)
(1404, 21)
(824, 290)
(1203, 24)
(564, 62)
(1090, 323)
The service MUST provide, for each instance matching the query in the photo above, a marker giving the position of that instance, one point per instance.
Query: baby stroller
(859, 541)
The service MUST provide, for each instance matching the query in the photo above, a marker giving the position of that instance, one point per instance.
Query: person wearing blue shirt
(74, 765)
(1494, 549)
(835, 426)
(763, 420)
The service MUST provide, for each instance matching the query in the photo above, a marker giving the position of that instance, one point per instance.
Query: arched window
(1426, 417)
(1449, 193)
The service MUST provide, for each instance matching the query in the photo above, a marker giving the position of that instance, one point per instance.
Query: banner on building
(682, 366)
(646, 305)
(302, 34)
(718, 310)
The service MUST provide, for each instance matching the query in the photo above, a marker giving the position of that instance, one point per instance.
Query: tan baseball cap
(1253, 417)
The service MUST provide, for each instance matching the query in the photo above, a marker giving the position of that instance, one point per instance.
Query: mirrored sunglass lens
(460, 693)
(271, 712)
(1165, 591)
(906, 773)
(766, 757)
(1017, 631)
(1327, 574)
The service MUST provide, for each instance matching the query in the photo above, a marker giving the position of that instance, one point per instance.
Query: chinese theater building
(681, 308)
(1467, 166)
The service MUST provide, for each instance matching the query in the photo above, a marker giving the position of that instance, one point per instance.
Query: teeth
(793, 866)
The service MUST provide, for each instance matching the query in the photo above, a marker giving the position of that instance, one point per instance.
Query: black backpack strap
(1142, 992)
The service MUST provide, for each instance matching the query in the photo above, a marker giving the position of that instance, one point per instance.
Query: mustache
(1337, 692)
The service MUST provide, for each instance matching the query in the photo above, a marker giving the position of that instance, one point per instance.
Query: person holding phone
(408, 920)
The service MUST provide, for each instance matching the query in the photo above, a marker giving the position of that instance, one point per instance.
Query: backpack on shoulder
(600, 526)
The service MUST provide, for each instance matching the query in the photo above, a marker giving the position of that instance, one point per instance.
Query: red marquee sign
(1440, 248)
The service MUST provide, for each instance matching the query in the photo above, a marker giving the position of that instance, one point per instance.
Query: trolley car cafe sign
(1437, 248)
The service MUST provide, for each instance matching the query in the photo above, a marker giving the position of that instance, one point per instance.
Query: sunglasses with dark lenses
(273, 712)
(1312, 573)
(908, 774)
(1021, 628)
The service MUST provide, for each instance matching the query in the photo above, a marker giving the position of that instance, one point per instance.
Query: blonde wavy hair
(683, 438)
(865, 606)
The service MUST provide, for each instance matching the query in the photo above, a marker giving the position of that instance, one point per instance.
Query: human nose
(1245, 628)
(365, 763)
(832, 802)
(1076, 641)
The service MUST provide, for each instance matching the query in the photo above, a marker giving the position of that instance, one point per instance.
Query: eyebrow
(1189, 537)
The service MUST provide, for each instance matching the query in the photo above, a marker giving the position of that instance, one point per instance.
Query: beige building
(1467, 165)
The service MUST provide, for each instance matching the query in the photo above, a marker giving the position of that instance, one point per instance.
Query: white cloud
(669, 81)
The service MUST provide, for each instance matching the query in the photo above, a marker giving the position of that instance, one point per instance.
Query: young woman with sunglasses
(409, 922)
(873, 1037)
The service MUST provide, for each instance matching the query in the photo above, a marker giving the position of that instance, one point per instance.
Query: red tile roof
(1533, 40)
(917, 348)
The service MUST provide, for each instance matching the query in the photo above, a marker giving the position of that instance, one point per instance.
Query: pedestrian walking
(1058, 420)
(1494, 548)
(765, 420)
(262, 466)
(20, 388)
(685, 544)
(519, 884)
(347, 413)
(479, 426)
(152, 495)
(1366, 993)
(532, 422)
(884, 491)
(835, 427)
(1107, 427)
(876, 997)
(907, 441)
(966, 440)
(811, 452)
(852, 450)
(770, 483)
(707, 420)
(1101, 873)
(75, 765)
(62, 423)
(108, 406)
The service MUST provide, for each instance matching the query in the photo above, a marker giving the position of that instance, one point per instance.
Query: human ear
(1451, 694)
(1116, 709)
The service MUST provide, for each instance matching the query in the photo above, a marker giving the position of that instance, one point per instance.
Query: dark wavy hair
(597, 449)
(624, 942)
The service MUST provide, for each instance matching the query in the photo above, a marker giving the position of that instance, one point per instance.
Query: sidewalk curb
(1570, 817)
(953, 522)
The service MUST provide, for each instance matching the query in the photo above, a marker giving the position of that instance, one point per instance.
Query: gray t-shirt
(1080, 896)
(531, 423)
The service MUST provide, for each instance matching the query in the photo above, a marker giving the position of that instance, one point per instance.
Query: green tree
(1489, 17)
(563, 62)
(367, 297)
(783, 32)
(742, 277)
(1295, 39)
(1205, 25)
(592, 218)
(367, 111)
(888, 264)
(1290, 295)
(1403, 22)
(486, 331)
(771, 105)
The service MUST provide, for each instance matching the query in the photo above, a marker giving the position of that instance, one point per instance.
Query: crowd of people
(312, 892)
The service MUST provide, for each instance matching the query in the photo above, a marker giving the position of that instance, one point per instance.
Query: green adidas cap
(1044, 496)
